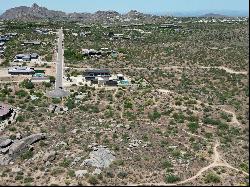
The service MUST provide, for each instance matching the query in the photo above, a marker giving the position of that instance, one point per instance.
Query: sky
(122, 6)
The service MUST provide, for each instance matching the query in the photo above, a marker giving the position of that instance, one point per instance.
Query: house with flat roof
(90, 52)
(170, 26)
(42, 31)
(31, 42)
(93, 74)
(25, 57)
(118, 36)
(22, 57)
(1, 52)
(4, 38)
(21, 71)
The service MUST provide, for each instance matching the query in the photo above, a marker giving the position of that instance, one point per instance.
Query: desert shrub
(166, 164)
(170, 178)
(27, 84)
(122, 175)
(22, 93)
(179, 118)
(27, 155)
(193, 126)
(212, 178)
(155, 115)
(65, 163)
(93, 180)
(128, 104)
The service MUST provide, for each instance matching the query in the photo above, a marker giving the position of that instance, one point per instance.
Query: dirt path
(234, 118)
(165, 91)
(194, 134)
(180, 68)
(217, 162)
(228, 70)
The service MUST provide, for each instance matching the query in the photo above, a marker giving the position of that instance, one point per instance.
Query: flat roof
(21, 69)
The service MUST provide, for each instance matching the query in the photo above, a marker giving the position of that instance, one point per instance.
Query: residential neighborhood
(123, 98)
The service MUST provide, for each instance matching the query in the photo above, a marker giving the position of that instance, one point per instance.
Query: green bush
(212, 178)
(93, 180)
(170, 178)
(179, 118)
(166, 164)
(20, 118)
(52, 79)
(22, 93)
(193, 126)
(28, 180)
(70, 103)
(65, 163)
(128, 104)
(122, 175)
(244, 167)
(71, 173)
(27, 84)
(155, 115)
(56, 100)
(27, 155)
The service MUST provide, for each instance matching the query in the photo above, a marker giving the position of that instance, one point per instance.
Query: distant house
(171, 26)
(90, 52)
(93, 74)
(41, 31)
(31, 42)
(118, 36)
(4, 38)
(84, 34)
(22, 57)
(85, 26)
(1, 53)
(26, 57)
(137, 24)
(34, 56)
(11, 34)
(21, 71)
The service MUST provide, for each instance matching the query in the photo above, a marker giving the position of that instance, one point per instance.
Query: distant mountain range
(213, 15)
(36, 12)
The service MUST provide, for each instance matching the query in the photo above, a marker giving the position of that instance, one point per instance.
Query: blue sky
(149, 6)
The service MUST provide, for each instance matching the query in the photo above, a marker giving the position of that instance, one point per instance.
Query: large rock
(4, 160)
(49, 156)
(97, 171)
(80, 173)
(100, 157)
(20, 145)
(4, 142)
(4, 150)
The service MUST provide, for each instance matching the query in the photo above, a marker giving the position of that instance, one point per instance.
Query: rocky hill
(36, 12)
(31, 13)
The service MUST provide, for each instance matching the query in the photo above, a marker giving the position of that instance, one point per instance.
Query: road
(60, 59)
(59, 92)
